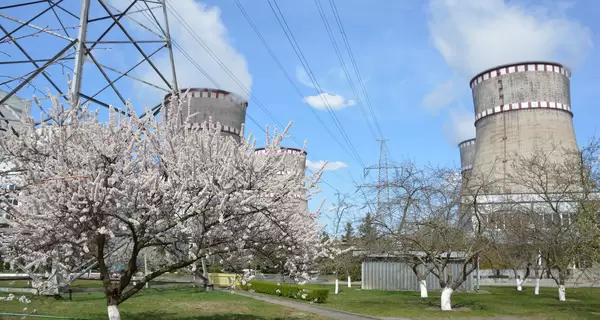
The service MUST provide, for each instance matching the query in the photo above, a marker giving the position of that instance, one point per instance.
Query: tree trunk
(536, 291)
(112, 300)
(349, 282)
(561, 293)
(561, 285)
(423, 286)
(446, 304)
(519, 284)
(113, 313)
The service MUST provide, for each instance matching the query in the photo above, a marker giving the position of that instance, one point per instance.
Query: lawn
(498, 301)
(75, 284)
(156, 304)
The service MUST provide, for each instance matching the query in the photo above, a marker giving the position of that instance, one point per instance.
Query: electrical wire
(199, 40)
(290, 36)
(344, 68)
(354, 64)
(287, 75)
(191, 60)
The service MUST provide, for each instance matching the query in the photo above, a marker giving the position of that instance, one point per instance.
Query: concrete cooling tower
(519, 108)
(467, 157)
(295, 163)
(224, 107)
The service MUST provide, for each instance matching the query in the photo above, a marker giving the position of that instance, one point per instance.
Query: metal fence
(391, 275)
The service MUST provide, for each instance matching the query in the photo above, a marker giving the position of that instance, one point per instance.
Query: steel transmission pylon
(43, 32)
(383, 184)
(43, 42)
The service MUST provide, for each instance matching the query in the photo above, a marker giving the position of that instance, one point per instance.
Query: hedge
(286, 290)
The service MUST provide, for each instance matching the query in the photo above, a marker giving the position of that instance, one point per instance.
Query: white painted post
(337, 286)
(349, 282)
(146, 269)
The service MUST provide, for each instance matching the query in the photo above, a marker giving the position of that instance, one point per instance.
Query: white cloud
(331, 166)
(459, 126)
(206, 22)
(336, 101)
(442, 95)
(473, 36)
(476, 35)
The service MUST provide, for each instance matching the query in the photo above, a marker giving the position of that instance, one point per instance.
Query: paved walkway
(303, 306)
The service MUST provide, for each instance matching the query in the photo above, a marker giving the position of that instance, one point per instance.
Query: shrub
(286, 290)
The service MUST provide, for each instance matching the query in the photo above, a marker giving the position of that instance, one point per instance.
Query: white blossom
(148, 186)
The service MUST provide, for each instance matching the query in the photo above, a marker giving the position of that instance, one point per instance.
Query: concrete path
(303, 306)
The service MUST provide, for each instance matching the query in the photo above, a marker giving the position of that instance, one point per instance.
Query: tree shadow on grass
(217, 316)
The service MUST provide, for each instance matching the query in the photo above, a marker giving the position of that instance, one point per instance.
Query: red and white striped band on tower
(214, 126)
(211, 93)
(282, 150)
(466, 143)
(524, 105)
(524, 67)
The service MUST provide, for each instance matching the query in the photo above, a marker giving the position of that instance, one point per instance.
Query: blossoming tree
(159, 186)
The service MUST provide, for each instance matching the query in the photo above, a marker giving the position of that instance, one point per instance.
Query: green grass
(501, 301)
(172, 304)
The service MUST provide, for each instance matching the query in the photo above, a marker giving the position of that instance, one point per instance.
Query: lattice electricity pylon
(41, 39)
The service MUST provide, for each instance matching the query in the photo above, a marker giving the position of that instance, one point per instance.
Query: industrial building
(392, 272)
(12, 112)
(295, 162)
(520, 108)
(229, 110)
(223, 107)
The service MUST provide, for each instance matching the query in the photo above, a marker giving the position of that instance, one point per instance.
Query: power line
(287, 75)
(290, 36)
(224, 67)
(191, 60)
(354, 65)
(343, 65)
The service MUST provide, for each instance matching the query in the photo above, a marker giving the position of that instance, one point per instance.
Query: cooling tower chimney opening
(519, 108)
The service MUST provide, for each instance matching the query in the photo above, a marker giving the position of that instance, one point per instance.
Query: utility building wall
(520, 108)
(395, 275)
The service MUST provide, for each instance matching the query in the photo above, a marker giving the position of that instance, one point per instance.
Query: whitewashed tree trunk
(519, 284)
(561, 293)
(446, 303)
(337, 286)
(349, 282)
(423, 286)
(536, 291)
(113, 313)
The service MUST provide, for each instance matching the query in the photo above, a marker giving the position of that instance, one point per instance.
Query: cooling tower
(12, 112)
(225, 108)
(519, 108)
(467, 157)
(295, 163)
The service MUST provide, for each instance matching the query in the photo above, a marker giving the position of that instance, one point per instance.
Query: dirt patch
(464, 309)
(596, 313)
(208, 306)
(479, 292)
(500, 318)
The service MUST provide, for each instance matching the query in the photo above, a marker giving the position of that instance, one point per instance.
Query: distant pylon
(383, 184)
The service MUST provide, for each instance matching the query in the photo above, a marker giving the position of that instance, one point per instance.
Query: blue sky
(415, 58)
